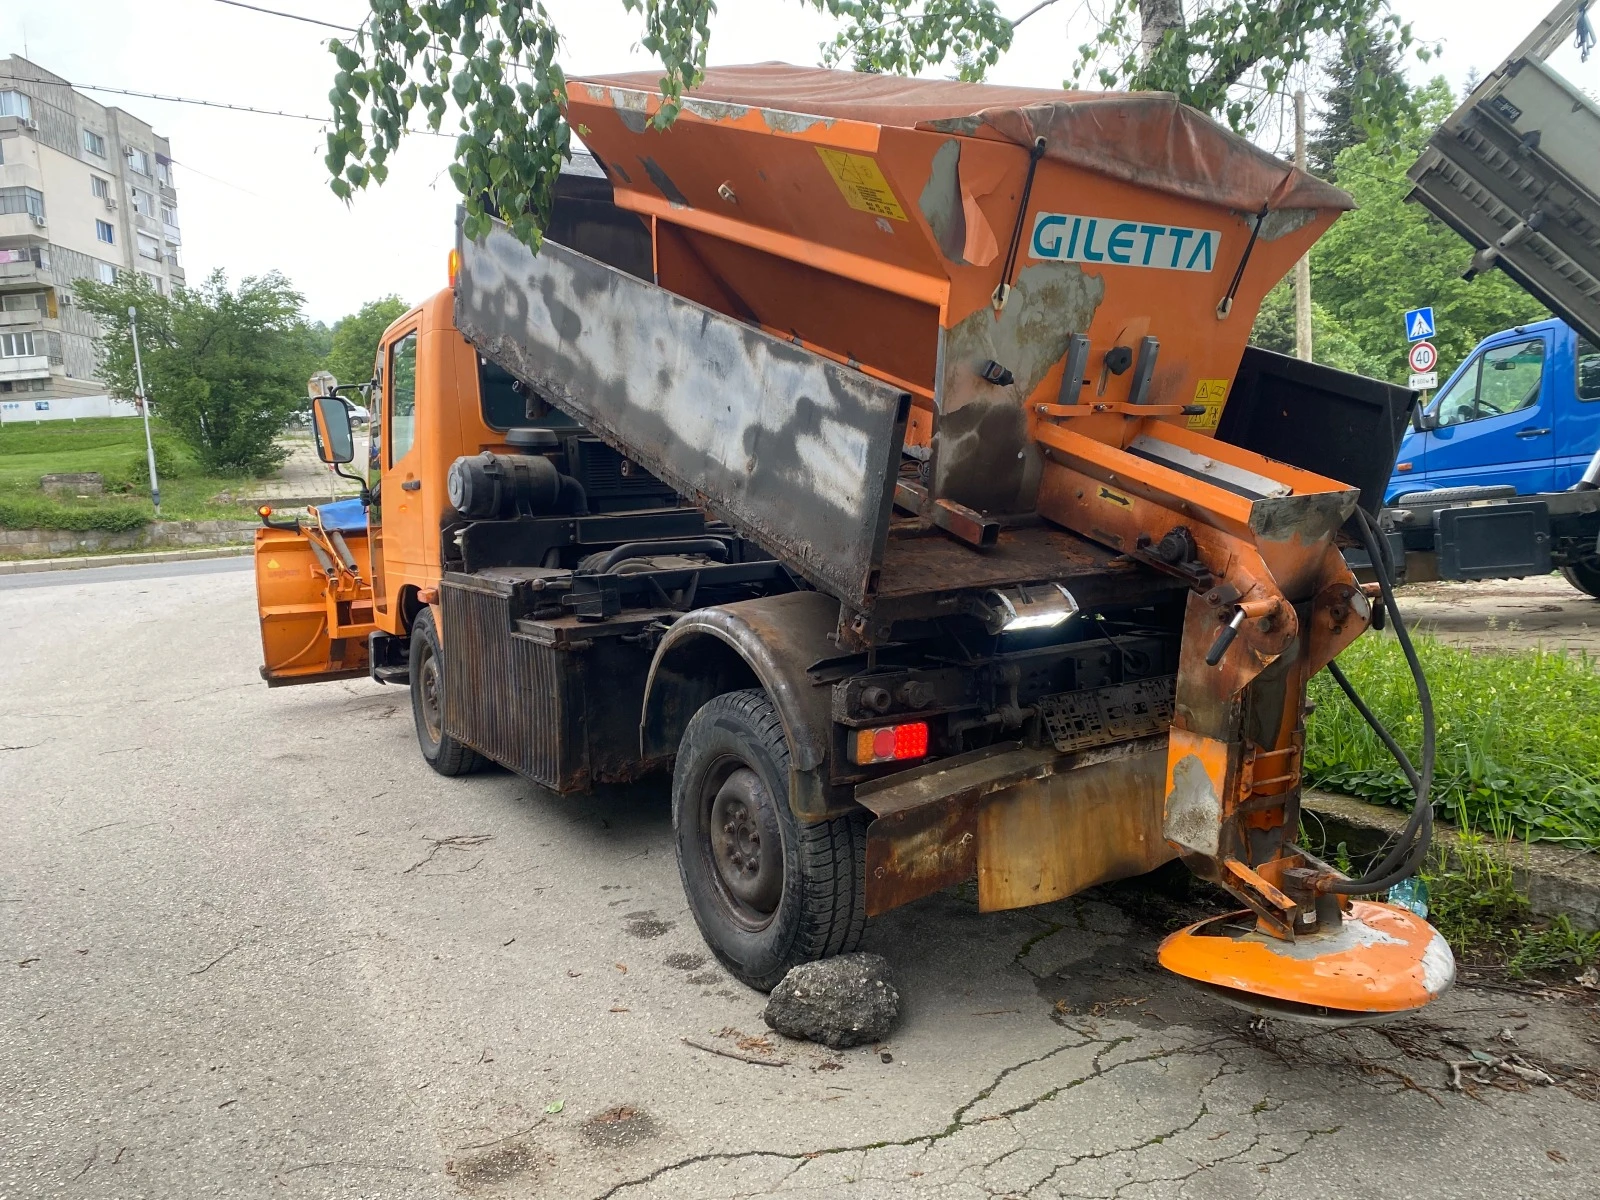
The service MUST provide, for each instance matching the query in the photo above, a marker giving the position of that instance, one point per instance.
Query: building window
(105, 272)
(99, 187)
(103, 231)
(16, 345)
(143, 203)
(148, 246)
(169, 215)
(22, 200)
(16, 104)
(23, 302)
(164, 171)
(94, 143)
(139, 160)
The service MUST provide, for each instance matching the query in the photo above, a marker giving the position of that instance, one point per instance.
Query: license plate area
(1101, 716)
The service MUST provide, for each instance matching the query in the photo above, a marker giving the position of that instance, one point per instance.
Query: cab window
(402, 373)
(509, 404)
(1588, 370)
(1503, 380)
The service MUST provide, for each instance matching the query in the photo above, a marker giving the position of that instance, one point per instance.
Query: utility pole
(144, 407)
(1302, 269)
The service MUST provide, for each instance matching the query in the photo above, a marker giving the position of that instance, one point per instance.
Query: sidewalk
(27, 566)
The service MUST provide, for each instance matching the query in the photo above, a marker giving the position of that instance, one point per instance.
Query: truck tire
(442, 752)
(1491, 491)
(767, 891)
(1584, 576)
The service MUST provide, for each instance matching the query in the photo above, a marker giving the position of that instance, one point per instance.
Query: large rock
(839, 1002)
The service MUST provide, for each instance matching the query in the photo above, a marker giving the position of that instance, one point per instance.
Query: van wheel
(443, 753)
(1584, 576)
(767, 891)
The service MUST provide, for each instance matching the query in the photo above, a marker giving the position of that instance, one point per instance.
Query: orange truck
(884, 458)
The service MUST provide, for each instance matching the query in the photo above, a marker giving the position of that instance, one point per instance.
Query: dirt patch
(493, 1165)
(617, 1127)
(684, 961)
(1505, 614)
(645, 924)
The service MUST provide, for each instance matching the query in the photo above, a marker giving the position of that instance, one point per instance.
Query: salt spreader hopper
(1046, 298)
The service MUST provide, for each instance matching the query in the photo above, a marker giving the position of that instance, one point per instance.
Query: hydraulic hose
(1409, 853)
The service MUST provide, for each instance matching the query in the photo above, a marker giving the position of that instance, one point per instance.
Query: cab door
(1578, 414)
(401, 457)
(1495, 422)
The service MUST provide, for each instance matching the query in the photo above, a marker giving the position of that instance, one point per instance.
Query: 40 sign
(1423, 357)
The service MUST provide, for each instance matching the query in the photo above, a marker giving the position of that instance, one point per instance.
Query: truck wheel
(444, 754)
(1584, 576)
(767, 891)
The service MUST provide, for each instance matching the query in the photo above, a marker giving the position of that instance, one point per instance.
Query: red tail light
(890, 743)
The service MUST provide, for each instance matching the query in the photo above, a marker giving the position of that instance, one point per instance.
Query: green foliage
(1365, 60)
(31, 512)
(355, 339)
(166, 465)
(1331, 343)
(1518, 746)
(494, 62)
(224, 369)
(1473, 900)
(1389, 256)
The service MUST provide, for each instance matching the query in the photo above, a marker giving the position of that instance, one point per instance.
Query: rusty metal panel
(796, 452)
(1048, 838)
(914, 852)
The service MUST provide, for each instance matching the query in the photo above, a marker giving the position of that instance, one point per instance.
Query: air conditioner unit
(111, 203)
(28, 123)
(37, 220)
(66, 299)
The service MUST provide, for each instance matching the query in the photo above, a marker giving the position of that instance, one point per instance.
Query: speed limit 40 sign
(1423, 357)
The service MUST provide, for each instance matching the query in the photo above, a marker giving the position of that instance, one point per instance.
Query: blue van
(1523, 410)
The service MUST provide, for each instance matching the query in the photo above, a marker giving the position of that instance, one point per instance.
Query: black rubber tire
(1492, 491)
(1584, 576)
(820, 910)
(442, 752)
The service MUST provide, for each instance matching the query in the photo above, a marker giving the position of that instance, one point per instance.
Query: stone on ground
(839, 1002)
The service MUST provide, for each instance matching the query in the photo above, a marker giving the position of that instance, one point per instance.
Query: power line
(264, 112)
(273, 12)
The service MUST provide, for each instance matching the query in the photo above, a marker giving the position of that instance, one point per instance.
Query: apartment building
(86, 192)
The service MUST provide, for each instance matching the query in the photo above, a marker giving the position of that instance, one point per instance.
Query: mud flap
(313, 628)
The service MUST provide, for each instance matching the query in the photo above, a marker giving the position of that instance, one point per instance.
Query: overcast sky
(252, 189)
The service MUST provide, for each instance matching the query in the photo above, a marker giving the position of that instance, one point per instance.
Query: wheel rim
(432, 708)
(746, 848)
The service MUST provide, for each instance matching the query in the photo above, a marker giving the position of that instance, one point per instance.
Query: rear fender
(767, 643)
(313, 628)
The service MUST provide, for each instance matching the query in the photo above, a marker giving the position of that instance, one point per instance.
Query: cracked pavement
(253, 946)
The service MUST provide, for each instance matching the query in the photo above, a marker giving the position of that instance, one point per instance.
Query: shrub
(29, 513)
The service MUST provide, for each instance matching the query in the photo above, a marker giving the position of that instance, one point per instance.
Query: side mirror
(330, 426)
(1422, 420)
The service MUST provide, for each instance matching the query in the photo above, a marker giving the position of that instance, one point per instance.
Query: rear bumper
(1033, 825)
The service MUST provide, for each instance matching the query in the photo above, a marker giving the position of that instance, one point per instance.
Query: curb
(1558, 881)
(28, 566)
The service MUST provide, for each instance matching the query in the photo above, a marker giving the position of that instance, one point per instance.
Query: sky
(252, 190)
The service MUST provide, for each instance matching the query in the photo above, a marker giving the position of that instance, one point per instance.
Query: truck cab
(1522, 411)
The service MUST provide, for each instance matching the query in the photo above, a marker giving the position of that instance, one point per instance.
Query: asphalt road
(252, 947)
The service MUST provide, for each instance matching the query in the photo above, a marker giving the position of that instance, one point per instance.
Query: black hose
(571, 498)
(1410, 852)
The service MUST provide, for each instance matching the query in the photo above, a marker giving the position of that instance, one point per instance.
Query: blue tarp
(343, 516)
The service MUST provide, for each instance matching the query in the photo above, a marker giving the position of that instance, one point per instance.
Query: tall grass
(1518, 737)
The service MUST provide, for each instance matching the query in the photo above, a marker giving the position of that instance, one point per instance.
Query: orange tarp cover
(1145, 138)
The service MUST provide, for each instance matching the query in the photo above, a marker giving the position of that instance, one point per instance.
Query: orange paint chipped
(1382, 959)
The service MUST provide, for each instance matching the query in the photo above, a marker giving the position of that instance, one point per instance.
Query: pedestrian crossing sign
(1419, 324)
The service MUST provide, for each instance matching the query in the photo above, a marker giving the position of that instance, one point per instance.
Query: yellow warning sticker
(862, 182)
(1115, 497)
(1211, 393)
(272, 564)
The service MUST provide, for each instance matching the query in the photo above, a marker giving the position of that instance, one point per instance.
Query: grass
(1518, 747)
(114, 447)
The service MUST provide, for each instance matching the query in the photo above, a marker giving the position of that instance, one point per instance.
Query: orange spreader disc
(1381, 962)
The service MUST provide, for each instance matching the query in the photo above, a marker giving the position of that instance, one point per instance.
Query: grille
(1078, 720)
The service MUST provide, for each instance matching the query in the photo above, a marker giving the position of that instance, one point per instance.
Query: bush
(31, 513)
(166, 465)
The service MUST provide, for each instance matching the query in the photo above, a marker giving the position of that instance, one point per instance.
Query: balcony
(27, 366)
(172, 234)
(15, 275)
(18, 225)
(22, 318)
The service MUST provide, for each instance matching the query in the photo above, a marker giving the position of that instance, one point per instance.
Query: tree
(1365, 62)
(495, 60)
(223, 369)
(1389, 256)
(1333, 345)
(355, 339)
